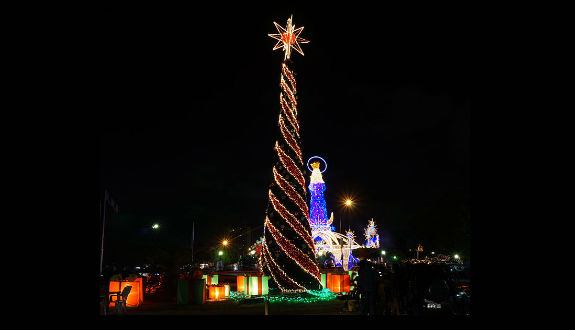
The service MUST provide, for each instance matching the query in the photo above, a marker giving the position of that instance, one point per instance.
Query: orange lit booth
(336, 282)
(253, 285)
(218, 291)
(136, 296)
(340, 283)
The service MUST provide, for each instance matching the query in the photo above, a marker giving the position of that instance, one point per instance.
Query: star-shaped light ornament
(288, 38)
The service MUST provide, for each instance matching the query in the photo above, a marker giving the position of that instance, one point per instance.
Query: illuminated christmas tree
(371, 236)
(287, 248)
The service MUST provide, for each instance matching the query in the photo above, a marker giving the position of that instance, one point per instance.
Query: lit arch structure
(339, 245)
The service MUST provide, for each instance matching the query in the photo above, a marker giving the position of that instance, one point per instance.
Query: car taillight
(463, 288)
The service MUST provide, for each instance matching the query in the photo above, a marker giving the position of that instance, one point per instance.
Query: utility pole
(112, 203)
(103, 228)
(193, 234)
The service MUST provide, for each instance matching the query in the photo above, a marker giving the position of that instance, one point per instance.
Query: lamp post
(223, 247)
(219, 261)
(348, 204)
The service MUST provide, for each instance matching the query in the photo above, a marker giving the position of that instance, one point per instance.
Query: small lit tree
(371, 236)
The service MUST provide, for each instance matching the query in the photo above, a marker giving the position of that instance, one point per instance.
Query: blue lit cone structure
(318, 212)
(287, 248)
(325, 239)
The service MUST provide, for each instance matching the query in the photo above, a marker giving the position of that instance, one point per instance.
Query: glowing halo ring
(324, 162)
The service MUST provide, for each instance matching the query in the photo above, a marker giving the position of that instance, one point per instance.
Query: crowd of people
(403, 288)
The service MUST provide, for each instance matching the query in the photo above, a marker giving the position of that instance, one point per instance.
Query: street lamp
(348, 204)
(155, 226)
(219, 260)
(382, 259)
(225, 242)
(456, 256)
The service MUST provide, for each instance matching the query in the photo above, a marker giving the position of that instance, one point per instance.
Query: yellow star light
(288, 38)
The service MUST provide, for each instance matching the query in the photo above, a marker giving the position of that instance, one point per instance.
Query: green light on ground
(312, 296)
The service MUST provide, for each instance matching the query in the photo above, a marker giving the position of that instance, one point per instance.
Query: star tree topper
(288, 38)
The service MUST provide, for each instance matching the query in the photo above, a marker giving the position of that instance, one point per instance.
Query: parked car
(443, 289)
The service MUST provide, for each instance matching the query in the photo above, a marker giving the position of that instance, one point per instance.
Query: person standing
(395, 289)
(367, 283)
(383, 294)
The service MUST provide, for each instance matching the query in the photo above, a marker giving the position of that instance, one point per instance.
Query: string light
(289, 93)
(318, 212)
(291, 220)
(276, 270)
(437, 258)
(289, 113)
(302, 259)
(289, 75)
(308, 296)
(350, 234)
(290, 139)
(290, 191)
(288, 163)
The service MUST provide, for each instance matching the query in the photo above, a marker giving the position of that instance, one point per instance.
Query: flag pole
(103, 227)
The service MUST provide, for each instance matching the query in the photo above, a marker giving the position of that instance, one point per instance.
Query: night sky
(191, 100)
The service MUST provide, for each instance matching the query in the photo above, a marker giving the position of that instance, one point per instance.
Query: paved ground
(230, 307)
